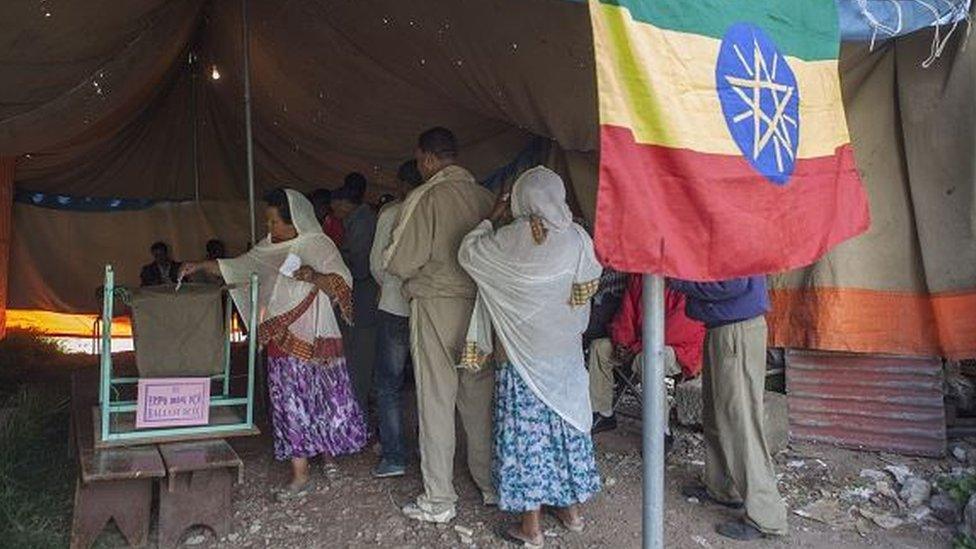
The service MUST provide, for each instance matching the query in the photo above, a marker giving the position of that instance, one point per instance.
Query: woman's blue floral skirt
(540, 459)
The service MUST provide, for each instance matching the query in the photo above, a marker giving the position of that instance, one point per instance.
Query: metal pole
(228, 331)
(252, 348)
(247, 119)
(105, 383)
(193, 122)
(653, 412)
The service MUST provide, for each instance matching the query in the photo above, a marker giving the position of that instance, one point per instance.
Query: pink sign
(173, 402)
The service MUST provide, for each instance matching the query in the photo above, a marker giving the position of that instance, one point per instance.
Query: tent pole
(652, 525)
(193, 122)
(247, 120)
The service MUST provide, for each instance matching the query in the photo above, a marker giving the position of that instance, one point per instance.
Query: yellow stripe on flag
(661, 84)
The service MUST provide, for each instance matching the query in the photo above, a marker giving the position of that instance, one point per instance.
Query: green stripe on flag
(807, 29)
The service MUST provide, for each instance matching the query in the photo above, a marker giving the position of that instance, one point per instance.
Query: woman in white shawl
(302, 278)
(535, 277)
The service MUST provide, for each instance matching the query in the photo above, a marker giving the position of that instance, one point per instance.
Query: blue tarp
(868, 20)
(80, 203)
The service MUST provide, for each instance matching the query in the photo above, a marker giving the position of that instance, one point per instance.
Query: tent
(115, 132)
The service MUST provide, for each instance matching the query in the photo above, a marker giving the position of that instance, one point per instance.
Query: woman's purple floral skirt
(313, 409)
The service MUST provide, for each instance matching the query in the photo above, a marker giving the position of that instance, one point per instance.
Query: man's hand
(305, 274)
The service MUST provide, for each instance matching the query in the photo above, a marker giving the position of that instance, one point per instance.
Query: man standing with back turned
(738, 469)
(423, 254)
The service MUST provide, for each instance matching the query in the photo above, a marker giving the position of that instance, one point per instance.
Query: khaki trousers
(737, 462)
(437, 332)
(601, 365)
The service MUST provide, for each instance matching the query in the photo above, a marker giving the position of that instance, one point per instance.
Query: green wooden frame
(109, 407)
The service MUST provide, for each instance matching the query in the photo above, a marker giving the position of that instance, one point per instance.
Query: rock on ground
(688, 409)
(945, 508)
(915, 491)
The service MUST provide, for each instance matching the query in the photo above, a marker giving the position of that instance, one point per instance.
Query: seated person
(162, 270)
(215, 250)
(683, 340)
(605, 304)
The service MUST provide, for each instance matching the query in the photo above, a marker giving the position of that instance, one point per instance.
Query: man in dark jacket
(162, 270)
(359, 229)
(738, 467)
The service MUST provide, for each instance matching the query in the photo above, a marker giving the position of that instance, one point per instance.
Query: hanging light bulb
(214, 73)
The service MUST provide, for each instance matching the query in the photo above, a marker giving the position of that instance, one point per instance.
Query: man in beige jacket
(422, 253)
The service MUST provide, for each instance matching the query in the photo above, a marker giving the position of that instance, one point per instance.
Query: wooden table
(195, 481)
(197, 491)
(114, 484)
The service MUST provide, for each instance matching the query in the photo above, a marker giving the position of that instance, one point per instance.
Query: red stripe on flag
(702, 216)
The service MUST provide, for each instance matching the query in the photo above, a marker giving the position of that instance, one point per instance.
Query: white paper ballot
(291, 264)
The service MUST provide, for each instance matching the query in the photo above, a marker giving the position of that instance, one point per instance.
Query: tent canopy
(101, 94)
(117, 99)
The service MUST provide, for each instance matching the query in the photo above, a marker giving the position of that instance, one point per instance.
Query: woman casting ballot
(314, 411)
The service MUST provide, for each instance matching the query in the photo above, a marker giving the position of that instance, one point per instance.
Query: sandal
(331, 469)
(290, 492)
(575, 526)
(514, 535)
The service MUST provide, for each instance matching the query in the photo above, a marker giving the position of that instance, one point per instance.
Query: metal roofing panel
(874, 402)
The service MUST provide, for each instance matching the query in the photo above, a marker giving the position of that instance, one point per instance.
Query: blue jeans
(392, 354)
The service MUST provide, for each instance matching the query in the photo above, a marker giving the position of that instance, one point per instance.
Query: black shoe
(602, 423)
(700, 493)
(739, 530)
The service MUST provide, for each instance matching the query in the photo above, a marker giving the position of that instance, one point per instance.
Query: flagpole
(249, 144)
(652, 431)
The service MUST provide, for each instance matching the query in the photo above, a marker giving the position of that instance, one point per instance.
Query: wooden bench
(197, 491)
(112, 484)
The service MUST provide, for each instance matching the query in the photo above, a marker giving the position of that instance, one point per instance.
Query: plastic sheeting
(871, 20)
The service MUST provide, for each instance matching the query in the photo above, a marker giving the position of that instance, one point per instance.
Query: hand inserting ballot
(187, 269)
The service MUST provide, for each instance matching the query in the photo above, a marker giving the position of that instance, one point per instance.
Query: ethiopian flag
(723, 145)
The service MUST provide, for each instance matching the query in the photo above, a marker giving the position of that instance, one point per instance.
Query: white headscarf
(526, 286)
(280, 294)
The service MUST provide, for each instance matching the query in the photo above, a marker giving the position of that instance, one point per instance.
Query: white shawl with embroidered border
(535, 290)
(280, 295)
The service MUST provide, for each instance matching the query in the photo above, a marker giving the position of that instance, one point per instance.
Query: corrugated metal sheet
(874, 402)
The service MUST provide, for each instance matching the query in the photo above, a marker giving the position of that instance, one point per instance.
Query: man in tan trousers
(422, 253)
(738, 469)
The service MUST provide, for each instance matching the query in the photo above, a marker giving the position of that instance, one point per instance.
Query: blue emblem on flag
(760, 100)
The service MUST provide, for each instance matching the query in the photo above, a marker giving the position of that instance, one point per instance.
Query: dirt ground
(348, 508)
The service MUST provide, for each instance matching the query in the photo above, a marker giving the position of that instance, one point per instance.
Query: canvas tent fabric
(348, 85)
(908, 286)
(336, 87)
